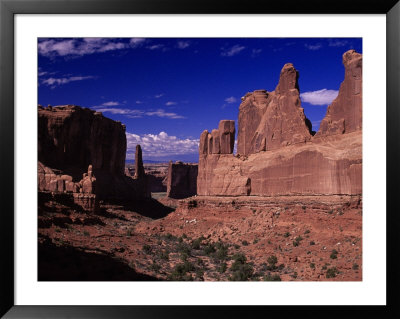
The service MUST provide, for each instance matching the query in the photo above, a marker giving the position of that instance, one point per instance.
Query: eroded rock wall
(278, 155)
(71, 138)
(181, 180)
(344, 115)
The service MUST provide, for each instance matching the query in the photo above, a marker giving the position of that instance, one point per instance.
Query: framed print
(163, 158)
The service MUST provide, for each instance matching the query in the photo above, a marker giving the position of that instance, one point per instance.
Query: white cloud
(337, 43)
(320, 97)
(136, 42)
(169, 103)
(157, 96)
(255, 52)
(157, 47)
(111, 103)
(183, 44)
(313, 47)
(84, 46)
(160, 145)
(236, 49)
(139, 102)
(230, 100)
(53, 82)
(133, 113)
(162, 113)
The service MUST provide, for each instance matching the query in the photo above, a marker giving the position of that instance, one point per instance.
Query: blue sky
(168, 90)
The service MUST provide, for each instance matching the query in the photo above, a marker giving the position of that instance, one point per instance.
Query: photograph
(200, 159)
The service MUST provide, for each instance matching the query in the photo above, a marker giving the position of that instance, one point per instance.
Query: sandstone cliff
(71, 139)
(181, 180)
(344, 115)
(278, 155)
(270, 120)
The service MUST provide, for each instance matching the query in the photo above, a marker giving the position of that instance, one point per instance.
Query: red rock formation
(182, 180)
(71, 138)
(82, 192)
(273, 158)
(270, 120)
(344, 115)
(139, 169)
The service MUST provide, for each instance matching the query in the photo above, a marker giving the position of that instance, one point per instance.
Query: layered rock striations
(71, 136)
(181, 180)
(278, 155)
(71, 139)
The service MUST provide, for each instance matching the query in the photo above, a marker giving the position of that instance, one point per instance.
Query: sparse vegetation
(270, 277)
(245, 243)
(334, 254)
(146, 249)
(312, 265)
(297, 241)
(355, 267)
(286, 235)
(241, 270)
(332, 272)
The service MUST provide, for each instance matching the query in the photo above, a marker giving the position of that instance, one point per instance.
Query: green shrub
(209, 249)
(331, 272)
(184, 248)
(197, 243)
(164, 255)
(312, 243)
(245, 243)
(222, 268)
(221, 253)
(355, 267)
(286, 235)
(270, 277)
(146, 249)
(334, 254)
(155, 267)
(307, 232)
(180, 270)
(272, 260)
(312, 265)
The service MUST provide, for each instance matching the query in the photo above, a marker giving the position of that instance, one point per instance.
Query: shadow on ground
(146, 207)
(66, 263)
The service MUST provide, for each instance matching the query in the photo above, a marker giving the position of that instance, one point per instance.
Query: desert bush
(164, 255)
(146, 249)
(155, 267)
(209, 249)
(270, 277)
(184, 248)
(334, 254)
(312, 243)
(312, 265)
(197, 243)
(222, 268)
(332, 272)
(245, 243)
(355, 267)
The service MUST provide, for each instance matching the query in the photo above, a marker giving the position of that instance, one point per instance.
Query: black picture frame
(8, 8)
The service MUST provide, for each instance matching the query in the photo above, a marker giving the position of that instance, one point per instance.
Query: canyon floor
(288, 238)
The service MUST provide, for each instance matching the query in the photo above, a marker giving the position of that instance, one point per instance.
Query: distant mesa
(277, 152)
